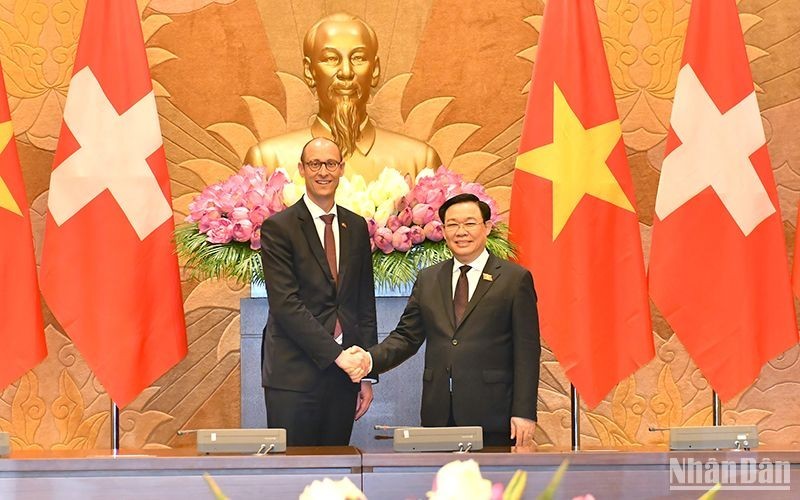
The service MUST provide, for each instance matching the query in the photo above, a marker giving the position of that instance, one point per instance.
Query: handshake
(355, 362)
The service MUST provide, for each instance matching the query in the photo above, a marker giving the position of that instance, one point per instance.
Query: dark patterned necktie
(330, 255)
(461, 297)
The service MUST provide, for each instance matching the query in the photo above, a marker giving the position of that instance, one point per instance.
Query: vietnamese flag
(718, 266)
(22, 344)
(572, 209)
(109, 270)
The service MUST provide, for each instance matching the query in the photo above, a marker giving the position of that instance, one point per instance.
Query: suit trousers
(493, 439)
(321, 417)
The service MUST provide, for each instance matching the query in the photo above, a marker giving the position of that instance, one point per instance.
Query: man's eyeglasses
(452, 227)
(315, 165)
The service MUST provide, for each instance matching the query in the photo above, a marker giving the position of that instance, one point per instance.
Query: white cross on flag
(718, 267)
(109, 272)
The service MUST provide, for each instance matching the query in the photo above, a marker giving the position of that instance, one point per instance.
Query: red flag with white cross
(719, 271)
(109, 270)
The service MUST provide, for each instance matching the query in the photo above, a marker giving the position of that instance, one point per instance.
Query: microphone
(182, 432)
(379, 427)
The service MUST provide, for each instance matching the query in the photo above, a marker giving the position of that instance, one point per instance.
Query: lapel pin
(487, 277)
(344, 225)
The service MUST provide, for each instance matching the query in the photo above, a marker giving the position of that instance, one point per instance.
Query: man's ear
(376, 72)
(308, 73)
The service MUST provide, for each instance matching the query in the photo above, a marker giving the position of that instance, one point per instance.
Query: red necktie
(330, 255)
(461, 297)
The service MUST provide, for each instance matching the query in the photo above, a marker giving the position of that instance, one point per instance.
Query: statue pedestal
(397, 396)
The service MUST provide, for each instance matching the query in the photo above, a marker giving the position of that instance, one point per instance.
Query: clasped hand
(355, 362)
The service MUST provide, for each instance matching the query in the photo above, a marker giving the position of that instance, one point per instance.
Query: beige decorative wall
(455, 74)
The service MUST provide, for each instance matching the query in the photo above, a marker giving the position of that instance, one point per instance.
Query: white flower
(383, 211)
(292, 193)
(358, 202)
(425, 172)
(390, 185)
(327, 489)
(461, 481)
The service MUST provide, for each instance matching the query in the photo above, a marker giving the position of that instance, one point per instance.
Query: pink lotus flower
(401, 239)
(242, 230)
(371, 227)
(393, 223)
(434, 230)
(220, 231)
(417, 235)
(405, 217)
(255, 239)
(497, 491)
(244, 200)
(240, 213)
(422, 214)
(207, 221)
(383, 240)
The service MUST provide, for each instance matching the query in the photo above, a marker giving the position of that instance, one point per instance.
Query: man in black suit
(478, 314)
(318, 272)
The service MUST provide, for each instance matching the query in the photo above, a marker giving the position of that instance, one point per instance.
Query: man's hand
(355, 362)
(522, 429)
(364, 399)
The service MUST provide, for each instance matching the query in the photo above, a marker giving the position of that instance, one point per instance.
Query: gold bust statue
(341, 63)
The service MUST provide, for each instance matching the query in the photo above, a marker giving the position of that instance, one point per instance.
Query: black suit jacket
(492, 356)
(304, 300)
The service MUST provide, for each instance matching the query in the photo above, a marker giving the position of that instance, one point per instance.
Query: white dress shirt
(473, 275)
(319, 224)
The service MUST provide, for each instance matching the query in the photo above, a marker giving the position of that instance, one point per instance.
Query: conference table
(381, 474)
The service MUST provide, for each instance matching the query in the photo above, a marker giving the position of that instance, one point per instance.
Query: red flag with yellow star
(22, 343)
(718, 267)
(572, 209)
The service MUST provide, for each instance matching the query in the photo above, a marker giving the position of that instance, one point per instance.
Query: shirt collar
(321, 129)
(478, 264)
(315, 210)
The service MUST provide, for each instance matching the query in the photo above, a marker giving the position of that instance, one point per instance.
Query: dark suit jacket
(492, 356)
(304, 300)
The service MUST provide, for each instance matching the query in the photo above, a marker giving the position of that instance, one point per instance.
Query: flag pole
(575, 417)
(716, 409)
(114, 428)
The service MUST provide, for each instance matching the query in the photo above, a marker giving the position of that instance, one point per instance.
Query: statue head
(341, 62)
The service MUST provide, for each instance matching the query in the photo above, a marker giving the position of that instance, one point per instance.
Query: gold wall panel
(455, 74)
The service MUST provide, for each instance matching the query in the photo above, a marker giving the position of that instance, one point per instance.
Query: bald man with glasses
(318, 274)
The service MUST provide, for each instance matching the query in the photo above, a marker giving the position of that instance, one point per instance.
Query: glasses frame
(330, 168)
(454, 227)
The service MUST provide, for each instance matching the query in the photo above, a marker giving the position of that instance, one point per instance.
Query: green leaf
(239, 262)
(552, 486)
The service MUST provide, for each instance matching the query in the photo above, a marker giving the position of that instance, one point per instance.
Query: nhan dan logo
(744, 474)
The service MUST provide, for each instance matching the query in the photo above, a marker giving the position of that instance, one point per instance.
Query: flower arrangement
(222, 234)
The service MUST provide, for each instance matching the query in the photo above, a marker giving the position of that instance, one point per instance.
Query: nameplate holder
(5, 444)
(458, 439)
(725, 437)
(241, 441)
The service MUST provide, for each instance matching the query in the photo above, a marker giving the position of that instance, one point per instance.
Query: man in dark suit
(478, 315)
(318, 273)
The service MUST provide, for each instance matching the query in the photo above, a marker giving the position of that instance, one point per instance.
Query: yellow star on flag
(575, 162)
(6, 200)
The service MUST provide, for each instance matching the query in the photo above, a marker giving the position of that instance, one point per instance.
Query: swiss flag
(718, 267)
(109, 270)
(572, 209)
(22, 343)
